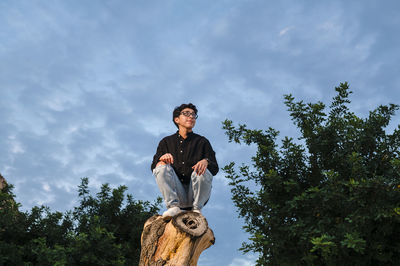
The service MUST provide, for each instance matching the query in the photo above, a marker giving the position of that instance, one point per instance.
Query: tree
(175, 241)
(102, 230)
(107, 227)
(331, 198)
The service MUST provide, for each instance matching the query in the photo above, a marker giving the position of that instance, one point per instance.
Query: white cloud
(285, 30)
(15, 145)
(88, 90)
(46, 187)
(65, 184)
(42, 198)
(221, 27)
(246, 261)
(216, 207)
(156, 126)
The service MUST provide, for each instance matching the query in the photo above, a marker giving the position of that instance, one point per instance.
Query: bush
(102, 230)
(332, 198)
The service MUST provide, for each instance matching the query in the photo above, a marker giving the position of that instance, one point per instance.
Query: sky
(87, 88)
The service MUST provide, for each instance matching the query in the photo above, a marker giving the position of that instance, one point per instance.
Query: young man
(184, 165)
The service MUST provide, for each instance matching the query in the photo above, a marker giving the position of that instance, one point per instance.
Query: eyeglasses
(188, 114)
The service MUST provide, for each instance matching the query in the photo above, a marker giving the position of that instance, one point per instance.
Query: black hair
(177, 111)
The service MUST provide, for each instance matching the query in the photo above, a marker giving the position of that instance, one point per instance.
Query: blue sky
(87, 88)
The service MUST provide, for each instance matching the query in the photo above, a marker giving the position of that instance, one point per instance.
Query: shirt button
(181, 151)
(183, 162)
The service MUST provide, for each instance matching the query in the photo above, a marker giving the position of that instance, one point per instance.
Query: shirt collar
(189, 135)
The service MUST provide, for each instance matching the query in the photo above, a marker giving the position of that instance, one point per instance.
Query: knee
(161, 169)
(206, 177)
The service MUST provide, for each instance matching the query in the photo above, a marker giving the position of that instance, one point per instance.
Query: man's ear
(176, 119)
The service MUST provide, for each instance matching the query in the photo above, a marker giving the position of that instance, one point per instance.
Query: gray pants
(175, 194)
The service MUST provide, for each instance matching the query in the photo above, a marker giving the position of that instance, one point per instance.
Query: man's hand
(167, 158)
(200, 167)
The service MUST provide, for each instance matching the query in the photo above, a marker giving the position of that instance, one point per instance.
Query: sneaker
(171, 212)
(197, 211)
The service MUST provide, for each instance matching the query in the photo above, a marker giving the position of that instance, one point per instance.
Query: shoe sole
(167, 218)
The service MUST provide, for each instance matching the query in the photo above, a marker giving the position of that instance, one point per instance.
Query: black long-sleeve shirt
(186, 152)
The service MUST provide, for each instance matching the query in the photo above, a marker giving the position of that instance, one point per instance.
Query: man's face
(186, 119)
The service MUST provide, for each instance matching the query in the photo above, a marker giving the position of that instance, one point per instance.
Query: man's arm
(208, 162)
(212, 161)
(161, 150)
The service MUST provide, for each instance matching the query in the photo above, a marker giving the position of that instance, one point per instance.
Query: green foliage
(333, 199)
(102, 230)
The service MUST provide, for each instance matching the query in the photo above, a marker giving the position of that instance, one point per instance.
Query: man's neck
(184, 132)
